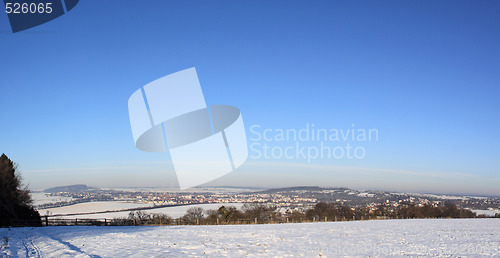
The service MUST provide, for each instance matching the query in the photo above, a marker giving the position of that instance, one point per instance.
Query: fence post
(286, 219)
(46, 221)
(255, 220)
(325, 219)
(217, 221)
(197, 221)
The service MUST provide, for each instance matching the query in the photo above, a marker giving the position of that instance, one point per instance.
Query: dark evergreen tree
(16, 205)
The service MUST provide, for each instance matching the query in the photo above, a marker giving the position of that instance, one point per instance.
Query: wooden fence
(58, 221)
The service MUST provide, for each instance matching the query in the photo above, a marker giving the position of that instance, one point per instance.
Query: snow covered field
(93, 207)
(174, 212)
(427, 237)
(490, 213)
(42, 198)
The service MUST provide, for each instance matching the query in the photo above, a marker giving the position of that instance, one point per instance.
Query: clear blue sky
(425, 74)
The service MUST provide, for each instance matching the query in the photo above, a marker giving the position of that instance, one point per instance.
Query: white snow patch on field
(93, 207)
(381, 238)
(491, 213)
(42, 198)
(174, 211)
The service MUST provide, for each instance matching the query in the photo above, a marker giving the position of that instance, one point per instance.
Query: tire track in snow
(72, 247)
(31, 250)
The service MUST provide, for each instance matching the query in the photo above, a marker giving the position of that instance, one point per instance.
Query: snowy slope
(93, 207)
(174, 211)
(442, 237)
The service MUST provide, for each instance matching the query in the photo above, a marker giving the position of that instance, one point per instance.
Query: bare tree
(194, 215)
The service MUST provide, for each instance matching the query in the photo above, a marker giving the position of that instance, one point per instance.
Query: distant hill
(69, 189)
(300, 188)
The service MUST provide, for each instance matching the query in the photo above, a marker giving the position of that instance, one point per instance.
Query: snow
(174, 212)
(490, 213)
(42, 198)
(443, 196)
(366, 195)
(380, 238)
(93, 207)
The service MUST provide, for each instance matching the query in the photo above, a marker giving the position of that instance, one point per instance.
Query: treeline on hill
(16, 205)
(403, 211)
(265, 213)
